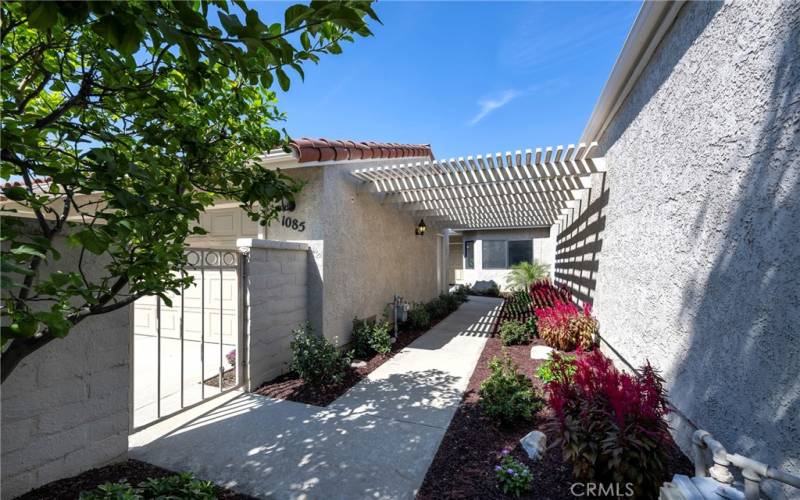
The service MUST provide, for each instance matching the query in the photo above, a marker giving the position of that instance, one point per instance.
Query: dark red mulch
(228, 379)
(290, 386)
(464, 464)
(133, 471)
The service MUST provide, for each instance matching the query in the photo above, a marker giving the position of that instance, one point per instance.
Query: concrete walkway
(376, 441)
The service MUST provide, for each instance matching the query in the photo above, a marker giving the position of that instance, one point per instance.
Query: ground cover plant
(133, 117)
(508, 396)
(512, 475)
(558, 366)
(513, 332)
(611, 424)
(317, 360)
(149, 481)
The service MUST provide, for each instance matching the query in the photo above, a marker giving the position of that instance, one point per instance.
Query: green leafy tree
(524, 274)
(140, 114)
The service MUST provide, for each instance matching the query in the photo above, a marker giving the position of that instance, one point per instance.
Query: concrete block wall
(275, 290)
(65, 408)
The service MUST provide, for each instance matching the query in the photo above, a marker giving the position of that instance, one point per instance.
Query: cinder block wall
(689, 246)
(275, 291)
(65, 408)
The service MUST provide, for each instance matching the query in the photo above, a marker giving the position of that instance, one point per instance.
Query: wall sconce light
(421, 228)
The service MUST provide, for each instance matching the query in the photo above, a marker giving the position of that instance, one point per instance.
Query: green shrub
(532, 326)
(507, 395)
(318, 362)
(418, 317)
(183, 485)
(559, 367)
(450, 302)
(370, 337)
(514, 478)
(436, 309)
(461, 292)
(513, 332)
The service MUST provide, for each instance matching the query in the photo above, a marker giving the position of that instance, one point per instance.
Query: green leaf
(296, 14)
(27, 250)
(283, 80)
(90, 240)
(15, 193)
(43, 16)
(55, 322)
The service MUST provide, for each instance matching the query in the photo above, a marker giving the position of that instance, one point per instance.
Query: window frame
(464, 255)
(504, 253)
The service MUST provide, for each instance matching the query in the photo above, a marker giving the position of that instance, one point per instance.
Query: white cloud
(488, 105)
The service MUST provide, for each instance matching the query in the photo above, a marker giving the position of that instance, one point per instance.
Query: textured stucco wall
(65, 408)
(692, 237)
(275, 288)
(543, 252)
(371, 253)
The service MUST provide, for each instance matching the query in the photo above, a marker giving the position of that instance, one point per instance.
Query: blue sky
(469, 78)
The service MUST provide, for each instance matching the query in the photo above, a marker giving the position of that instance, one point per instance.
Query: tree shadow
(740, 377)
(274, 448)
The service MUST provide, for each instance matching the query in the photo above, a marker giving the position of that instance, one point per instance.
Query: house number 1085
(293, 223)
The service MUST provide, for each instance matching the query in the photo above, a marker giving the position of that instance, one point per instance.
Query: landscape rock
(483, 286)
(541, 352)
(358, 364)
(534, 444)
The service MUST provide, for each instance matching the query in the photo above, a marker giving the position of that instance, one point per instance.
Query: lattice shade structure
(524, 189)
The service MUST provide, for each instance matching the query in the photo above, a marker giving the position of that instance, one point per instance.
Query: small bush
(183, 485)
(514, 478)
(450, 302)
(318, 362)
(437, 309)
(565, 327)
(513, 333)
(611, 424)
(507, 395)
(461, 293)
(558, 367)
(531, 324)
(419, 318)
(370, 337)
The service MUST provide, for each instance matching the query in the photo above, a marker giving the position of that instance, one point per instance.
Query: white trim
(273, 244)
(649, 28)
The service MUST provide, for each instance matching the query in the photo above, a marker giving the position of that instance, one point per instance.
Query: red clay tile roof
(306, 150)
(40, 183)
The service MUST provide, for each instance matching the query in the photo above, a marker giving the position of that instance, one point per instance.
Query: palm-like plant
(522, 275)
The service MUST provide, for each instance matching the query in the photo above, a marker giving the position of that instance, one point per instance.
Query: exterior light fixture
(421, 228)
(288, 205)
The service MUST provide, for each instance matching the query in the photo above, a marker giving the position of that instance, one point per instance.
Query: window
(469, 255)
(494, 254)
(520, 251)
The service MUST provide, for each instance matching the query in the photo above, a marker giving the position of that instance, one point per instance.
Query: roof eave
(649, 28)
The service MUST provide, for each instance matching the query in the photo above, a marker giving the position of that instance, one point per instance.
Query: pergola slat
(534, 187)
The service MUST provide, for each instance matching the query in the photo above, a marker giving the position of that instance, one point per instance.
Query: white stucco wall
(371, 253)
(543, 252)
(691, 240)
(275, 291)
(65, 408)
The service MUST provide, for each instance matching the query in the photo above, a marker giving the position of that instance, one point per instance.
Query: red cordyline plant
(611, 424)
(545, 294)
(566, 327)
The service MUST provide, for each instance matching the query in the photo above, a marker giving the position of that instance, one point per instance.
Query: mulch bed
(228, 379)
(132, 470)
(464, 465)
(290, 386)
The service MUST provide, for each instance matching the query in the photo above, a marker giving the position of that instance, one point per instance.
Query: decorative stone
(358, 364)
(483, 286)
(541, 352)
(534, 444)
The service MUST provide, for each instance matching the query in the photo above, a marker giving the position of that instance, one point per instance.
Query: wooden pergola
(534, 188)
